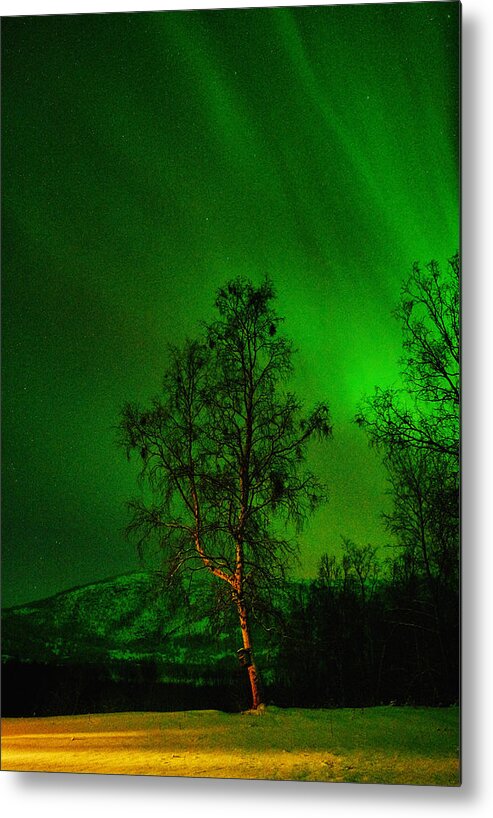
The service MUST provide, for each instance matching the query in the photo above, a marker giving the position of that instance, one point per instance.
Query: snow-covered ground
(384, 745)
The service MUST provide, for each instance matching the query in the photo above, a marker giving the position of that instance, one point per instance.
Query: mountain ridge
(41, 600)
(127, 617)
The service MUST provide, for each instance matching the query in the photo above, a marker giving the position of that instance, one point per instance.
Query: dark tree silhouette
(416, 428)
(223, 453)
(424, 413)
(425, 513)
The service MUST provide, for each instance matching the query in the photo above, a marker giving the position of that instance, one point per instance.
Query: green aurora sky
(147, 159)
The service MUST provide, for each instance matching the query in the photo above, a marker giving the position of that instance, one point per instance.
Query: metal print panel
(231, 393)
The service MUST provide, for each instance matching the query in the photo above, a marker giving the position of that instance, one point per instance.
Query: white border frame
(53, 795)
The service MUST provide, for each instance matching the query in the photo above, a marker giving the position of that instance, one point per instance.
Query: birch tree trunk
(252, 670)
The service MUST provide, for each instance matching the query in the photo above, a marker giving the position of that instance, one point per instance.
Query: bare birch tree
(223, 455)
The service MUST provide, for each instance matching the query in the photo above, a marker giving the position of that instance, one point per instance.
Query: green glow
(150, 157)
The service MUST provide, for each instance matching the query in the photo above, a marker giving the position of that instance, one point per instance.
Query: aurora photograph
(231, 393)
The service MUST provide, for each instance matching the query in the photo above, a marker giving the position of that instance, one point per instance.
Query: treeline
(364, 633)
(45, 689)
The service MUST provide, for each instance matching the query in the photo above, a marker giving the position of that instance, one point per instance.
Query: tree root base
(255, 711)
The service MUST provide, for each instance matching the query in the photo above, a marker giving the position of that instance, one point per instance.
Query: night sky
(149, 158)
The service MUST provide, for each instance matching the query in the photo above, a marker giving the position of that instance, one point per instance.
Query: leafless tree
(223, 456)
(416, 427)
(423, 414)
